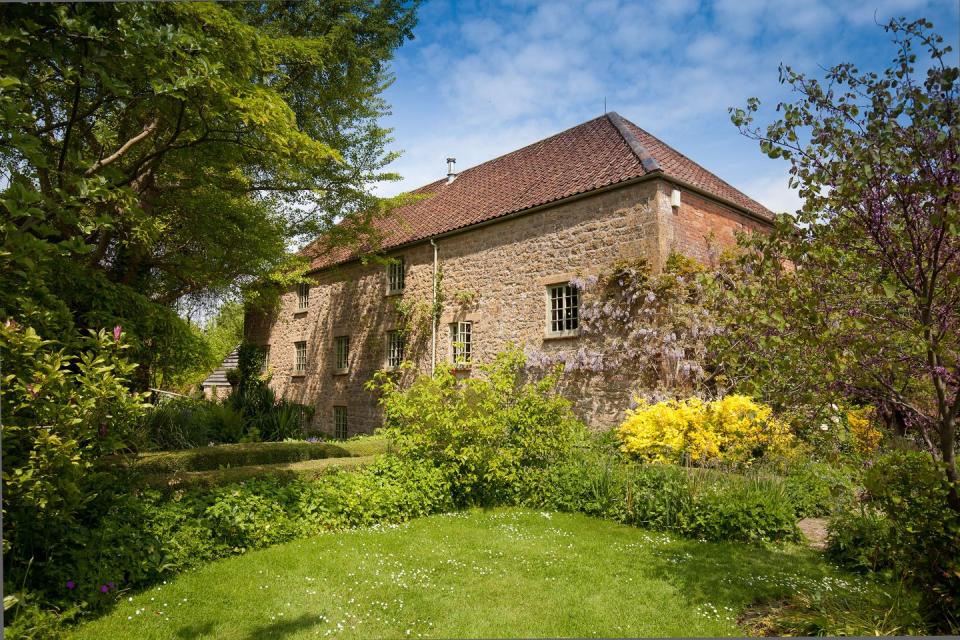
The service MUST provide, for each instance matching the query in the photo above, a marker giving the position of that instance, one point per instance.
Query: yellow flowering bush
(734, 429)
(866, 436)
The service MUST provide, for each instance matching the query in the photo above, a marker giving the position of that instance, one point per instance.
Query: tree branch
(116, 155)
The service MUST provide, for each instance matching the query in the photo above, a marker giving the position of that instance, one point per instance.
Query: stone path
(815, 531)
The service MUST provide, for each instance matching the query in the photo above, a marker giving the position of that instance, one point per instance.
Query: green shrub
(860, 539)
(486, 433)
(178, 424)
(912, 491)
(699, 503)
(281, 420)
(728, 506)
(819, 489)
(68, 421)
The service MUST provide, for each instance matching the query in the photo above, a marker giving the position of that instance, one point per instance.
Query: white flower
(824, 427)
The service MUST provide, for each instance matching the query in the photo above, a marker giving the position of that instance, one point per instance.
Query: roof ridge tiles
(648, 162)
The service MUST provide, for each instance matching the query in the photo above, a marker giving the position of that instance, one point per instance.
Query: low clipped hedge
(698, 503)
(258, 453)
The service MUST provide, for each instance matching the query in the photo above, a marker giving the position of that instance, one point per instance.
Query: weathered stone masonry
(501, 271)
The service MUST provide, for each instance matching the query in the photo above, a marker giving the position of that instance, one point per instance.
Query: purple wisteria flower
(117, 330)
(71, 585)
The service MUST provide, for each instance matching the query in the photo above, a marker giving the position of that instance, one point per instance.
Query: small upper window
(340, 423)
(266, 358)
(396, 345)
(300, 362)
(303, 296)
(396, 275)
(461, 339)
(341, 348)
(564, 308)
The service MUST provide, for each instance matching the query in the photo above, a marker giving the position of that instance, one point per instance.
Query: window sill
(461, 366)
(300, 312)
(390, 294)
(341, 372)
(296, 376)
(562, 335)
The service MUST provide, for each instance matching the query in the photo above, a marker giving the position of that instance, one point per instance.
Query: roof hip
(648, 162)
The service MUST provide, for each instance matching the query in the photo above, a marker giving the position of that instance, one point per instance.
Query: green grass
(503, 572)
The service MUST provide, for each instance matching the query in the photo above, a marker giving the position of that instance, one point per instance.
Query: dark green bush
(728, 506)
(912, 490)
(860, 539)
(183, 423)
(694, 502)
(819, 489)
(69, 421)
(906, 527)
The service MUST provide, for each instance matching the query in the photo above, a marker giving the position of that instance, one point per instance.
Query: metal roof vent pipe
(451, 174)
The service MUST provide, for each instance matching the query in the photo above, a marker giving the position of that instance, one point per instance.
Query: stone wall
(495, 276)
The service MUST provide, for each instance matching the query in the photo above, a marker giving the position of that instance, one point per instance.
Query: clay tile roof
(598, 153)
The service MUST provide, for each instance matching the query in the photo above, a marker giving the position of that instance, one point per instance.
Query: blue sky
(484, 78)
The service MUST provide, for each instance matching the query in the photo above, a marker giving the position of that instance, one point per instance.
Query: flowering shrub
(64, 417)
(734, 429)
(866, 436)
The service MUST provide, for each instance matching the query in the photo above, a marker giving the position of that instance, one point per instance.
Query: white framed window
(564, 309)
(300, 359)
(303, 296)
(396, 275)
(341, 353)
(396, 346)
(266, 358)
(340, 422)
(461, 342)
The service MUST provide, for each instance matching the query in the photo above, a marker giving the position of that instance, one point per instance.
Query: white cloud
(772, 192)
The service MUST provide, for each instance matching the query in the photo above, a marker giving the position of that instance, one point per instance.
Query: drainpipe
(433, 311)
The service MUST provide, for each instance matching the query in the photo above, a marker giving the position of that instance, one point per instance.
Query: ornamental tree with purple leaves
(863, 285)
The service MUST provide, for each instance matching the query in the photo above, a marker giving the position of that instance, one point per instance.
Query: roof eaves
(648, 162)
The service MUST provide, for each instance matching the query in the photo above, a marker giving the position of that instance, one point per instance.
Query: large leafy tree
(859, 294)
(153, 152)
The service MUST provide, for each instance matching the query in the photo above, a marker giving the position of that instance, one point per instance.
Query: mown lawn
(502, 572)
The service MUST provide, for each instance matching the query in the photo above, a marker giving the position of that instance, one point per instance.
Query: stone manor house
(500, 243)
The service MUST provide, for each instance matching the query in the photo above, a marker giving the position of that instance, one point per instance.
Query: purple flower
(117, 330)
(71, 585)
(104, 588)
